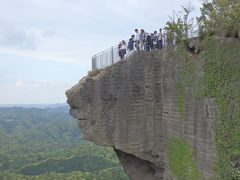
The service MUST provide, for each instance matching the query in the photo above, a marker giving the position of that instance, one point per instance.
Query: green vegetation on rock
(186, 79)
(220, 16)
(181, 159)
(221, 81)
(215, 73)
(93, 73)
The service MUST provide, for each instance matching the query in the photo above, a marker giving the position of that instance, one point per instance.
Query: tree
(181, 23)
(220, 17)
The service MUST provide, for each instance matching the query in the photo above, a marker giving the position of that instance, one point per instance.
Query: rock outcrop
(135, 106)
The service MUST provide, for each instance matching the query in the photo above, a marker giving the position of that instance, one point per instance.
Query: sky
(46, 45)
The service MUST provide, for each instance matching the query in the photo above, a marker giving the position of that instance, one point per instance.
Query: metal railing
(111, 56)
(105, 58)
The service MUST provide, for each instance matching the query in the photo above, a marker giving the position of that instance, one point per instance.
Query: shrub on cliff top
(93, 73)
(220, 16)
(181, 23)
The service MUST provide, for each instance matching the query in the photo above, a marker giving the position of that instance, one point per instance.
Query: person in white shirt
(155, 40)
(142, 37)
(160, 39)
(136, 40)
(165, 38)
(123, 49)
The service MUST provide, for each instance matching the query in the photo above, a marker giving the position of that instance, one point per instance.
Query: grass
(181, 159)
(186, 77)
(220, 81)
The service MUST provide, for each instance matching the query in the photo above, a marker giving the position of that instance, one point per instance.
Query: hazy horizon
(50, 105)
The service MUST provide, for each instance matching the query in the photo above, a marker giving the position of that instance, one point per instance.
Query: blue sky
(46, 46)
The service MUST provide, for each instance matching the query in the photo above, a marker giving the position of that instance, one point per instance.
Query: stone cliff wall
(138, 107)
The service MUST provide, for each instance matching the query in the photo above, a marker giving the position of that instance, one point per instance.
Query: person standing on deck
(130, 45)
(119, 49)
(155, 40)
(160, 39)
(148, 42)
(136, 40)
(142, 39)
(123, 49)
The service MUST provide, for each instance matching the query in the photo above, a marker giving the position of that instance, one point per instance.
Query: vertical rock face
(133, 106)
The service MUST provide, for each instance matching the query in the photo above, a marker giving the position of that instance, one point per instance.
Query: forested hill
(34, 125)
(38, 143)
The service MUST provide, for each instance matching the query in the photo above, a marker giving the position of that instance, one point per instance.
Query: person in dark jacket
(152, 37)
(131, 43)
(130, 47)
(148, 42)
(120, 52)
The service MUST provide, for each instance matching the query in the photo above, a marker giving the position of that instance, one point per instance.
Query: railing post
(94, 62)
(112, 57)
(101, 61)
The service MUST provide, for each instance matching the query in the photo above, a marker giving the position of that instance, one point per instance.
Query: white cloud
(19, 83)
(42, 92)
(31, 84)
(40, 55)
(48, 34)
(12, 37)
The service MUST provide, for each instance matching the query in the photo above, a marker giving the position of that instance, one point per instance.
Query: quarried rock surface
(136, 107)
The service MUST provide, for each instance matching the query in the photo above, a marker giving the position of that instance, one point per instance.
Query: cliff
(161, 111)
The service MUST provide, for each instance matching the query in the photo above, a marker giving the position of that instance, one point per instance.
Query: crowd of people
(141, 41)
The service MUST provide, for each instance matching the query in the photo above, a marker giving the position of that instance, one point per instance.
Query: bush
(220, 17)
(93, 73)
(181, 24)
